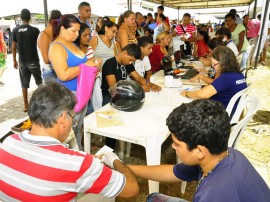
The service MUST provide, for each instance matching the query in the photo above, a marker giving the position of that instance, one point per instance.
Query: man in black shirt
(25, 41)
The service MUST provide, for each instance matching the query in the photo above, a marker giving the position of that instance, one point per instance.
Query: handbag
(85, 84)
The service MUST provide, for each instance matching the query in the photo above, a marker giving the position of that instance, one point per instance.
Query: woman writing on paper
(228, 79)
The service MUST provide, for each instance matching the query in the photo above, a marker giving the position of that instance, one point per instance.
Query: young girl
(201, 49)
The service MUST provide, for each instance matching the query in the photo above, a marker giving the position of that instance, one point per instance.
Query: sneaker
(2, 83)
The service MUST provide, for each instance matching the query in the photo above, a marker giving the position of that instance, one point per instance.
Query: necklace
(210, 171)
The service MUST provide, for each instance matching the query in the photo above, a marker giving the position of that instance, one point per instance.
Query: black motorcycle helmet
(127, 95)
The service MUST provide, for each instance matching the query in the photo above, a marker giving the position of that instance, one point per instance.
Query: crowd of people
(132, 49)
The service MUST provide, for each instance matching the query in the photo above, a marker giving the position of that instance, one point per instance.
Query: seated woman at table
(159, 51)
(228, 79)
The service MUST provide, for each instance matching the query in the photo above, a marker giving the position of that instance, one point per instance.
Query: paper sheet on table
(114, 120)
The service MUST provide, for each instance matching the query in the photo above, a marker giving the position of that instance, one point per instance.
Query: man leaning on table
(200, 132)
(36, 166)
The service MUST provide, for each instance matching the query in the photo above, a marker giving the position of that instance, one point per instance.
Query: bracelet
(187, 94)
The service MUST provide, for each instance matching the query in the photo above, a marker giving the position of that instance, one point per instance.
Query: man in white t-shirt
(143, 66)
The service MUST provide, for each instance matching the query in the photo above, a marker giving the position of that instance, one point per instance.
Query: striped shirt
(189, 29)
(90, 53)
(40, 168)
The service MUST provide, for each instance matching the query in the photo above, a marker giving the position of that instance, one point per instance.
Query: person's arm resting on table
(206, 92)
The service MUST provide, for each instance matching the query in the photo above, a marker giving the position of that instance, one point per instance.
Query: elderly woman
(228, 79)
(239, 38)
(126, 23)
(159, 51)
(65, 58)
(162, 26)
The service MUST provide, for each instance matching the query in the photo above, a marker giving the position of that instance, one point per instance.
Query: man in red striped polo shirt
(36, 166)
(187, 32)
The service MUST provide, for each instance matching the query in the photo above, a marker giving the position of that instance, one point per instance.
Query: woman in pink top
(159, 50)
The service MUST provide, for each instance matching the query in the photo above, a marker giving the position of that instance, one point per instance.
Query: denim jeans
(48, 74)
(157, 197)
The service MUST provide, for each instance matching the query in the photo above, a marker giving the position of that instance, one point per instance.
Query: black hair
(55, 15)
(48, 102)
(107, 23)
(230, 15)
(133, 50)
(66, 21)
(83, 26)
(233, 11)
(224, 31)
(144, 41)
(202, 122)
(205, 36)
(149, 14)
(162, 16)
(161, 7)
(259, 16)
(214, 42)
(186, 15)
(82, 4)
(25, 14)
(226, 58)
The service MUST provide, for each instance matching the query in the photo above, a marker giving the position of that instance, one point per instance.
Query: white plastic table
(146, 127)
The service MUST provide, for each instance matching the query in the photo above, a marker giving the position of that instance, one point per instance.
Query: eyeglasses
(124, 72)
(213, 65)
(74, 122)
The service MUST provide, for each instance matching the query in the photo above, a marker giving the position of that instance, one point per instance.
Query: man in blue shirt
(200, 132)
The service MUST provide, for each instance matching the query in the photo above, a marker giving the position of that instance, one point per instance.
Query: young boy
(119, 68)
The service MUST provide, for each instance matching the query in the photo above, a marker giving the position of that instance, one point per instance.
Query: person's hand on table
(195, 78)
(202, 70)
(108, 158)
(146, 88)
(183, 93)
(154, 87)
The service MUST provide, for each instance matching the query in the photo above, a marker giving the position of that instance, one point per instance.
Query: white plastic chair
(241, 95)
(247, 108)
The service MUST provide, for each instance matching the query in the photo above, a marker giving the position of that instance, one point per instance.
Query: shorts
(28, 69)
(157, 197)
(2, 61)
(48, 74)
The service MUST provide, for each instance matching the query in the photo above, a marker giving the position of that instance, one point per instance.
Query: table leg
(87, 140)
(153, 154)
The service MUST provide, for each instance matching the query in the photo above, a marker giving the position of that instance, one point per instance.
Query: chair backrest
(242, 95)
(249, 106)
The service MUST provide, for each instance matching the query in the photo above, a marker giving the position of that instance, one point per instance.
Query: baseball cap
(25, 14)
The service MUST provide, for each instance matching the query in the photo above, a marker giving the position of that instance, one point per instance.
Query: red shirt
(155, 58)
(202, 48)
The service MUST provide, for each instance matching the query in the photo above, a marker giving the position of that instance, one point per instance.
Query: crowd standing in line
(132, 49)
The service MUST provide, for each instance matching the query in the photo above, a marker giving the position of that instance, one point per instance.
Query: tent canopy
(195, 4)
